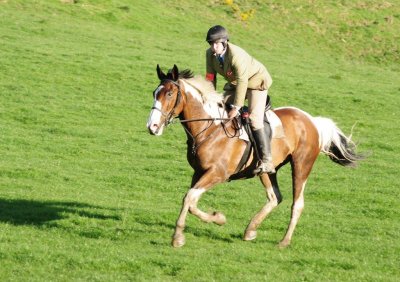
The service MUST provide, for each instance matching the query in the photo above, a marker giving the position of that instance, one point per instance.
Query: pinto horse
(215, 151)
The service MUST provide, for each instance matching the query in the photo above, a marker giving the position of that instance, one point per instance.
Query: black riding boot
(262, 137)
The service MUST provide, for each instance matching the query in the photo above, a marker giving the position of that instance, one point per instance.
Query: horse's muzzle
(155, 129)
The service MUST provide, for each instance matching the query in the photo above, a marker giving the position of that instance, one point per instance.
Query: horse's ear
(175, 73)
(160, 73)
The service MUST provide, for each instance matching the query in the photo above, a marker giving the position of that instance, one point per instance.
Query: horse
(215, 149)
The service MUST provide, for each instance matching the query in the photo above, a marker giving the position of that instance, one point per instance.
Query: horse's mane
(186, 74)
(205, 87)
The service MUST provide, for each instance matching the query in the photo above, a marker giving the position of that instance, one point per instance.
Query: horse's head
(167, 101)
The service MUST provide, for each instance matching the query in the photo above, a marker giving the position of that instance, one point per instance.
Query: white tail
(334, 143)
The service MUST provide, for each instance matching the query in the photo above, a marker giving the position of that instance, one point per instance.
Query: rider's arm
(240, 69)
(211, 74)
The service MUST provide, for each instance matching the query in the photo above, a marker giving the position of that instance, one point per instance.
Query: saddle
(243, 121)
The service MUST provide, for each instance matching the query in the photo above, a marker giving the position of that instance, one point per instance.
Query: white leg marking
(194, 194)
(297, 209)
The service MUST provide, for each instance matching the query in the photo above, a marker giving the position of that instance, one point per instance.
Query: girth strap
(245, 157)
(249, 145)
(252, 143)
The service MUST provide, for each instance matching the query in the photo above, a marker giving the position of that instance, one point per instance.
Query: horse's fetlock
(250, 235)
(192, 209)
(178, 240)
(219, 218)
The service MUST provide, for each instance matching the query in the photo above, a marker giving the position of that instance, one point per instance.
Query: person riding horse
(247, 78)
(214, 155)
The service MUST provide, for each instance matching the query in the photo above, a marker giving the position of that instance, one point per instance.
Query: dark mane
(185, 74)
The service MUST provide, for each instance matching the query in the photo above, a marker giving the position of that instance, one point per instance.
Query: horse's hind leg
(300, 174)
(274, 198)
(297, 209)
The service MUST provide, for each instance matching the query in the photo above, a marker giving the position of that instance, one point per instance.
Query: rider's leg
(261, 133)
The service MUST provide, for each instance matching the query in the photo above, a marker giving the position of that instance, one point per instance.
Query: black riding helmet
(217, 34)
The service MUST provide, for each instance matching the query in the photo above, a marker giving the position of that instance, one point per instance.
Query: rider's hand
(233, 113)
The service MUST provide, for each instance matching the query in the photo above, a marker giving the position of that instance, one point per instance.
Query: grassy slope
(85, 193)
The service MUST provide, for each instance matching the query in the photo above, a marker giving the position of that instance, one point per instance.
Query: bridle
(169, 117)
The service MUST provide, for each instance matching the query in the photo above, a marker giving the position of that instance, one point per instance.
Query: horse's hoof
(178, 241)
(219, 218)
(283, 244)
(250, 235)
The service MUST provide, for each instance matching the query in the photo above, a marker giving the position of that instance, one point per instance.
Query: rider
(247, 78)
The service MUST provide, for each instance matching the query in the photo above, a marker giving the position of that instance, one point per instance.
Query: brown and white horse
(214, 150)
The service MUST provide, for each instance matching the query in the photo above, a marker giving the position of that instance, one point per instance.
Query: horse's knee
(193, 195)
(191, 209)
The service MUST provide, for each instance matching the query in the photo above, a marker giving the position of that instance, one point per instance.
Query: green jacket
(240, 70)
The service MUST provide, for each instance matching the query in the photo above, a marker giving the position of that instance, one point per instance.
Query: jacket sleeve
(268, 79)
(241, 71)
(211, 74)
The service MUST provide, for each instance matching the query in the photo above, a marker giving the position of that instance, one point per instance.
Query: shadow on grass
(38, 213)
(202, 231)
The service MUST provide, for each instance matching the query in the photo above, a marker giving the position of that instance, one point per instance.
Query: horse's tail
(334, 143)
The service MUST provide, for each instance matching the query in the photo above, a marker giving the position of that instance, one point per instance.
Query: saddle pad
(276, 124)
(243, 134)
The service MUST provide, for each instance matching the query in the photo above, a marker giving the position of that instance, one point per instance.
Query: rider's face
(217, 48)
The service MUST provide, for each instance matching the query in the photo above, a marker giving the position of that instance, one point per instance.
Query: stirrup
(265, 167)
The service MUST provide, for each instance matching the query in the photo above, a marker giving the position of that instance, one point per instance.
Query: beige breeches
(257, 100)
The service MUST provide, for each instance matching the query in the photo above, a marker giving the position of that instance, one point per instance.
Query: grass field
(87, 194)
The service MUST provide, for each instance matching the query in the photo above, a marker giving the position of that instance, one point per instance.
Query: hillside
(87, 194)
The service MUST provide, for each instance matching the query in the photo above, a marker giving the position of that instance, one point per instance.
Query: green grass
(87, 194)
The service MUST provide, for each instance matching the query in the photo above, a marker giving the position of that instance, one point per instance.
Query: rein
(203, 119)
(195, 146)
(169, 120)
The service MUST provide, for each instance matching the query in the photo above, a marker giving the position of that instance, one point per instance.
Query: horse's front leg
(191, 197)
(216, 217)
(190, 201)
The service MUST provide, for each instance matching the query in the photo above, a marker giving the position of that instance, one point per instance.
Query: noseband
(169, 116)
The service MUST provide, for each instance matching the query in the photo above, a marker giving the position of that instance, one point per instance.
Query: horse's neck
(192, 112)
(194, 109)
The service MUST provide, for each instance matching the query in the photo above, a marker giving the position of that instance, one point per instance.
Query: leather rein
(169, 118)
